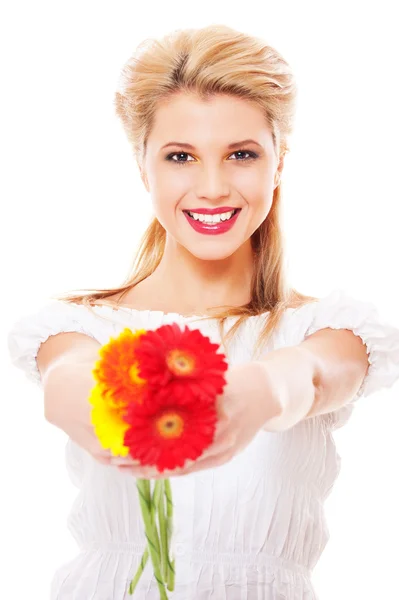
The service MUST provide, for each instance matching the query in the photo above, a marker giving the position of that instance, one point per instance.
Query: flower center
(134, 375)
(170, 425)
(180, 362)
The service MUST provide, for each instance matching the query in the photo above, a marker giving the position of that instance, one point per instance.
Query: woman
(208, 113)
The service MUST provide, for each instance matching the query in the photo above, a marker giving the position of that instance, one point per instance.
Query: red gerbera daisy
(170, 356)
(167, 433)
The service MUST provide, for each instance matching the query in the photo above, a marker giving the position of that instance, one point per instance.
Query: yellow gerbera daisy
(108, 423)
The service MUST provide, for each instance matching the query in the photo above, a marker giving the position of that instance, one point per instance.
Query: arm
(288, 385)
(65, 361)
(319, 375)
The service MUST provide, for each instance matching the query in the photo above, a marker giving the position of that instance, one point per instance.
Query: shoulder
(35, 326)
(337, 307)
(340, 310)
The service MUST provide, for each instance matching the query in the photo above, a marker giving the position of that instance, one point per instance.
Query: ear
(144, 179)
(279, 170)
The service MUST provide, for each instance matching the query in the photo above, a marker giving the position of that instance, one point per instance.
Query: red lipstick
(212, 211)
(213, 228)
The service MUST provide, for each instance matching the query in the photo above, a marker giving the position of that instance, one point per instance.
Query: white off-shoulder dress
(251, 529)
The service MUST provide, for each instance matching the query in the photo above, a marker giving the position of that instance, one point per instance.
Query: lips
(213, 228)
(212, 211)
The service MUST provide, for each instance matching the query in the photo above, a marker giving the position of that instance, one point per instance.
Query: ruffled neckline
(162, 314)
(144, 311)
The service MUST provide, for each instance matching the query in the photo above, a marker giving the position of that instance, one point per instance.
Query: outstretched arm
(289, 384)
(319, 375)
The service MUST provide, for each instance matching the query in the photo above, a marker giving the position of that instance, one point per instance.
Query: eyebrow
(230, 146)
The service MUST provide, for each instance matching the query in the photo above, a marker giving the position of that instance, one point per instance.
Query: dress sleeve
(339, 310)
(27, 334)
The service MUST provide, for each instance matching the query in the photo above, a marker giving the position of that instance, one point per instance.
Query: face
(211, 175)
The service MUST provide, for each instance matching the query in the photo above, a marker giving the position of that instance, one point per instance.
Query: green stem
(146, 554)
(163, 533)
(139, 571)
(155, 507)
(148, 512)
(169, 528)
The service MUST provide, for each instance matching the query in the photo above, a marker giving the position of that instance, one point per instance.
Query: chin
(211, 251)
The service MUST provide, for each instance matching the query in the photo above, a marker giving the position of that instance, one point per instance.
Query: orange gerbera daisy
(182, 362)
(166, 433)
(117, 369)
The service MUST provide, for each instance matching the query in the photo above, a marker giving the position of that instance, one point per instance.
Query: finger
(212, 461)
(97, 449)
(109, 459)
(220, 438)
(142, 472)
(106, 457)
(93, 445)
(221, 411)
(124, 461)
(148, 472)
(221, 424)
(225, 442)
(104, 460)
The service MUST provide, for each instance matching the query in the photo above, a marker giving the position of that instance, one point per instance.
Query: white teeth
(219, 218)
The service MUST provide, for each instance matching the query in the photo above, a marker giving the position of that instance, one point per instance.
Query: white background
(74, 207)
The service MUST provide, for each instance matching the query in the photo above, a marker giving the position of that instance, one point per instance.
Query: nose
(212, 183)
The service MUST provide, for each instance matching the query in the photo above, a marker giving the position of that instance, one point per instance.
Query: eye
(251, 156)
(179, 162)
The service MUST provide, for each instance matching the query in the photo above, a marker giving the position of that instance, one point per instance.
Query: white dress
(251, 529)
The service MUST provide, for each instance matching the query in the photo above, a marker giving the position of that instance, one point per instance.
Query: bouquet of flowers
(155, 400)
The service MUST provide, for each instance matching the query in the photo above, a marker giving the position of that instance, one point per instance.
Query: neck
(190, 285)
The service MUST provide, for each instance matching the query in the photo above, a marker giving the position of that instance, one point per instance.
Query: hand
(70, 411)
(248, 402)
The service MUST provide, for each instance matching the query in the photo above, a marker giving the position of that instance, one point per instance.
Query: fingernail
(119, 460)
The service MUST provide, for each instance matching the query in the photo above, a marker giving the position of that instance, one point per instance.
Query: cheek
(164, 203)
(167, 193)
(167, 209)
(255, 186)
(259, 205)
(172, 181)
(259, 202)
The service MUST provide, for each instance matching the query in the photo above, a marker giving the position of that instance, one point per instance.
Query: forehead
(220, 119)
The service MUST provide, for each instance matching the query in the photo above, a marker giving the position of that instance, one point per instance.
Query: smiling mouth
(212, 219)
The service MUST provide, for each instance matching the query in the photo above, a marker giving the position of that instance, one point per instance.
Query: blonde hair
(213, 60)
